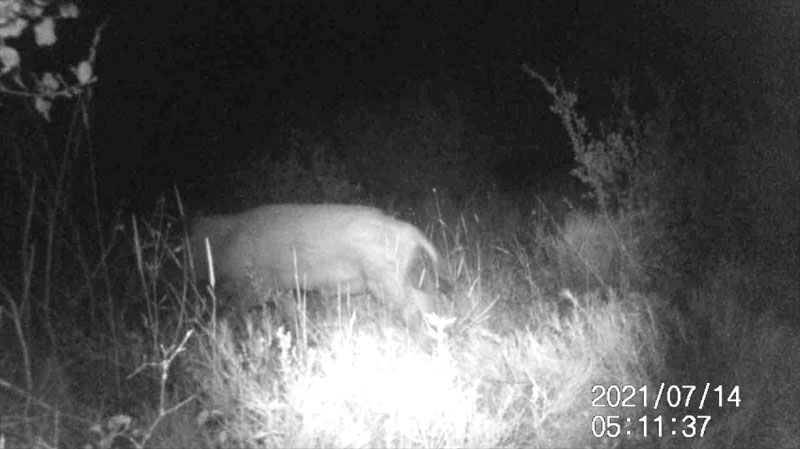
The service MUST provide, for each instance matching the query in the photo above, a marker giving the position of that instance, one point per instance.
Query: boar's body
(325, 248)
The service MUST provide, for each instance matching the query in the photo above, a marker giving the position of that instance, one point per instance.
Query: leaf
(119, 423)
(45, 32)
(43, 105)
(9, 58)
(14, 29)
(83, 72)
(69, 11)
(32, 10)
(49, 83)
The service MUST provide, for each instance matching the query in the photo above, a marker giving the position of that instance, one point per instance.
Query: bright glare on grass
(383, 389)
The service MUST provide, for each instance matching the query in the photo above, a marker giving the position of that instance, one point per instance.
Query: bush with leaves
(625, 161)
(17, 16)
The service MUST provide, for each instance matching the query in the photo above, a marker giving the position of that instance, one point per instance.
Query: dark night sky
(185, 84)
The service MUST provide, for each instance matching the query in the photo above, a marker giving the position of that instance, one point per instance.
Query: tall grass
(548, 318)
